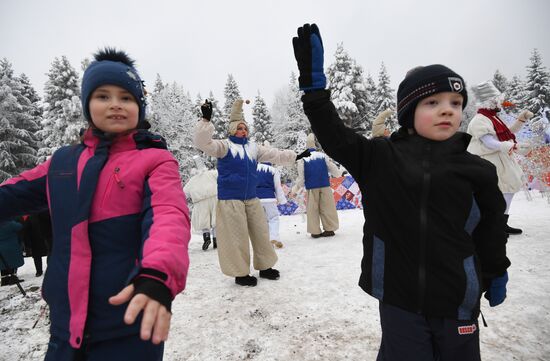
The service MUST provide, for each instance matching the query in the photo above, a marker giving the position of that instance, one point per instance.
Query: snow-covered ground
(315, 311)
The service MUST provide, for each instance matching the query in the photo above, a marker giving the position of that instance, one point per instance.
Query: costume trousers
(236, 221)
(272, 214)
(321, 207)
(408, 336)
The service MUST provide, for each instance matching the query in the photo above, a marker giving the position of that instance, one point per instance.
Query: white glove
(379, 124)
(525, 116)
(507, 146)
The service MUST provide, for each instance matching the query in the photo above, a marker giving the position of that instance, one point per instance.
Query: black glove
(206, 110)
(308, 51)
(304, 154)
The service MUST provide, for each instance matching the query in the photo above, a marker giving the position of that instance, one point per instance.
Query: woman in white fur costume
(313, 172)
(203, 190)
(493, 140)
(239, 213)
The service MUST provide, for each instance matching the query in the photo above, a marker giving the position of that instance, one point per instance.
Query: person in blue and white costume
(270, 193)
(313, 172)
(239, 213)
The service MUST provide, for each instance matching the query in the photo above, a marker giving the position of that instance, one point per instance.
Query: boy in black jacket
(433, 239)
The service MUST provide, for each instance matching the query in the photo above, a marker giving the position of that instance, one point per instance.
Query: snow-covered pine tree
(290, 124)
(30, 93)
(216, 117)
(231, 93)
(84, 64)
(34, 108)
(537, 84)
(385, 98)
(199, 101)
(63, 117)
(360, 123)
(340, 77)
(516, 92)
(159, 85)
(500, 81)
(371, 105)
(262, 121)
(174, 120)
(17, 144)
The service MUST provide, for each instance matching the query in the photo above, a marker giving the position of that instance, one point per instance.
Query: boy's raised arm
(336, 139)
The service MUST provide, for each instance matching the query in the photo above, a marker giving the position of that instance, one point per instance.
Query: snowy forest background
(33, 127)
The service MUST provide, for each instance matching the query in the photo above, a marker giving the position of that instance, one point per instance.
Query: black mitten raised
(304, 154)
(206, 110)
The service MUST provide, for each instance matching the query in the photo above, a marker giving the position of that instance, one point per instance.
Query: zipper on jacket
(116, 179)
(423, 230)
(119, 182)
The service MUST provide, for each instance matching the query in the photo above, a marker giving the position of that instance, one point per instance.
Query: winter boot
(511, 230)
(327, 234)
(214, 243)
(270, 274)
(277, 244)
(206, 238)
(316, 235)
(246, 281)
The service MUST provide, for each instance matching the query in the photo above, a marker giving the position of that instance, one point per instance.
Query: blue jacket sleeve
(25, 193)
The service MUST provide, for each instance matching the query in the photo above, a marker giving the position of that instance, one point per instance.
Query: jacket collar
(119, 143)
(456, 144)
(135, 139)
(238, 140)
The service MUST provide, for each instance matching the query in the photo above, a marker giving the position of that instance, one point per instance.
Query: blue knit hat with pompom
(113, 67)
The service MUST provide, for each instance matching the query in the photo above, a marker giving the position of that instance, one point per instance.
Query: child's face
(242, 131)
(437, 117)
(113, 109)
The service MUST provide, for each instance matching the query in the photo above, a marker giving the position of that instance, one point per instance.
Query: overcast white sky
(197, 43)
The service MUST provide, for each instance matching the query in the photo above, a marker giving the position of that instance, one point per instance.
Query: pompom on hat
(237, 116)
(422, 82)
(113, 67)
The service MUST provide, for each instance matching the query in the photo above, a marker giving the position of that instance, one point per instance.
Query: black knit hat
(422, 82)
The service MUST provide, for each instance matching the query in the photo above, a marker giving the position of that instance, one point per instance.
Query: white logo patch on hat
(456, 84)
(131, 75)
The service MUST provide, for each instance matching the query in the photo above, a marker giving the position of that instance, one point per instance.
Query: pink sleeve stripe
(32, 174)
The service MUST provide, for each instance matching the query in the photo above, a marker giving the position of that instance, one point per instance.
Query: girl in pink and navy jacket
(120, 224)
